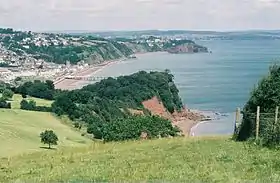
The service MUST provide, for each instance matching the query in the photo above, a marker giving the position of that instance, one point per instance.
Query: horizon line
(146, 30)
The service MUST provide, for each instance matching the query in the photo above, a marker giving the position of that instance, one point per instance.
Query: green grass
(169, 160)
(15, 102)
(20, 130)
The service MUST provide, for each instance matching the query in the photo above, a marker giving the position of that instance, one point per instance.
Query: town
(31, 55)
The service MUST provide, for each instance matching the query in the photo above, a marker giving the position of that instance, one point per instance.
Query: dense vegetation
(38, 89)
(133, 127)
(5, 95)
(106, 103)
(267, 96)
(31, 106)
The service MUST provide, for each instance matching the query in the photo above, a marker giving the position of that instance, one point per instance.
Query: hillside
(163, 160)
(20, 130)
(105, 107)
(19, 48)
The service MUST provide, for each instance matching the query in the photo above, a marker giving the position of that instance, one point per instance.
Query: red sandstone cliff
(184, 119)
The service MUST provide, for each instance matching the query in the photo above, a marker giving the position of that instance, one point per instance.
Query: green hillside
(20, 130)
(162, 160)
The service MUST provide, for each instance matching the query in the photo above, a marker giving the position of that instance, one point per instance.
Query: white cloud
(139, 14)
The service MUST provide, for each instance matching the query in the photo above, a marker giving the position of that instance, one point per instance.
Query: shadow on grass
(54, 149)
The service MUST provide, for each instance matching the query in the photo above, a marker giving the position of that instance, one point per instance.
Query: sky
(105, 15)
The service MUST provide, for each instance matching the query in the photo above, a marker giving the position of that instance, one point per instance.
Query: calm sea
(218, 82)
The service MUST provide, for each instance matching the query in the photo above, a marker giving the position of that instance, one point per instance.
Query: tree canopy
(49, 137)
(108, 101)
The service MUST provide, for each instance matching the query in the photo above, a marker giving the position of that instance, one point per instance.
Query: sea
(216, 83)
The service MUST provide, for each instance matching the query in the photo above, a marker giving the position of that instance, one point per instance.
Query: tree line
(103, 107)
(266, 95)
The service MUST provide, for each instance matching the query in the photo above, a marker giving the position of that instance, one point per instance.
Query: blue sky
(97, 15)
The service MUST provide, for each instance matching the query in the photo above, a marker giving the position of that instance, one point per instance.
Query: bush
(31, 106)
(270, 134)
(267, 96)
(4, 104)
(132, 128)
(95, 130)
(7, 94)
(38, 89)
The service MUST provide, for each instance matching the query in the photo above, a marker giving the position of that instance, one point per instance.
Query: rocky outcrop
(187, 48)
(185, 119)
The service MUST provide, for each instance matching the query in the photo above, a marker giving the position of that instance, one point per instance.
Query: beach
(71, 84)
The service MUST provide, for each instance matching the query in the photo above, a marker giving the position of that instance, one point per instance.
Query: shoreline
(214, 117)
(70, 84)
(187, 123)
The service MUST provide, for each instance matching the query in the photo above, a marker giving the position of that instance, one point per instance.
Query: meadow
(78, 159)
(208, 159)
(20, 130)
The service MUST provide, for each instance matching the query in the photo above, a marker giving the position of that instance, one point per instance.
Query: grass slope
(20, 130)
(168, 160)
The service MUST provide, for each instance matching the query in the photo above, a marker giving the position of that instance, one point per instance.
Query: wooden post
(237, 119)
(276, 118)
(258, 122)
(276, 114)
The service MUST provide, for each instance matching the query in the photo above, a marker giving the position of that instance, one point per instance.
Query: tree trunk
(49, 146)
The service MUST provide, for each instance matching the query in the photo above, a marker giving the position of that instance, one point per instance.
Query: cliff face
(184, 119)
(188, 48)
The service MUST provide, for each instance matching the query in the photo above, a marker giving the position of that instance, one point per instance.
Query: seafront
(70, 84)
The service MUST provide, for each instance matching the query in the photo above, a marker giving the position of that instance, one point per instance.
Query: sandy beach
(71, 84)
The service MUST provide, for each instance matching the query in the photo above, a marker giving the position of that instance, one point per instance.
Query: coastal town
(41, 56)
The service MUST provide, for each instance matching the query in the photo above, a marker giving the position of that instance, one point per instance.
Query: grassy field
(20, 130)
(168, 160)
(39, 102)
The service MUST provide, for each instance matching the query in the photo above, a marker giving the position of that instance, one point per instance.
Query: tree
(4, 103)
(49, 137)
(7, 94)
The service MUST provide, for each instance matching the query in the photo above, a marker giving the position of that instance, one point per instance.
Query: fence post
(276, 118)
(237, 119)
(258, 122)
(276, 114)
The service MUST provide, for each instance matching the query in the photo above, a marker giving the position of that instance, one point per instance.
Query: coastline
(187, 121)
(214, 118)
(71, 84)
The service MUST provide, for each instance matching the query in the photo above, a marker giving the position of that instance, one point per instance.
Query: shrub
(31, 106)
(7, 94)
(270, 134)
(5, 104)
(266, 95)
(133, 127)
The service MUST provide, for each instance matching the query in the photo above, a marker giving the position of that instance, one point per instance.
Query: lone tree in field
(49, 137)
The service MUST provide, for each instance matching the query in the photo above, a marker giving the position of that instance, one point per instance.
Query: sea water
(219, 81)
